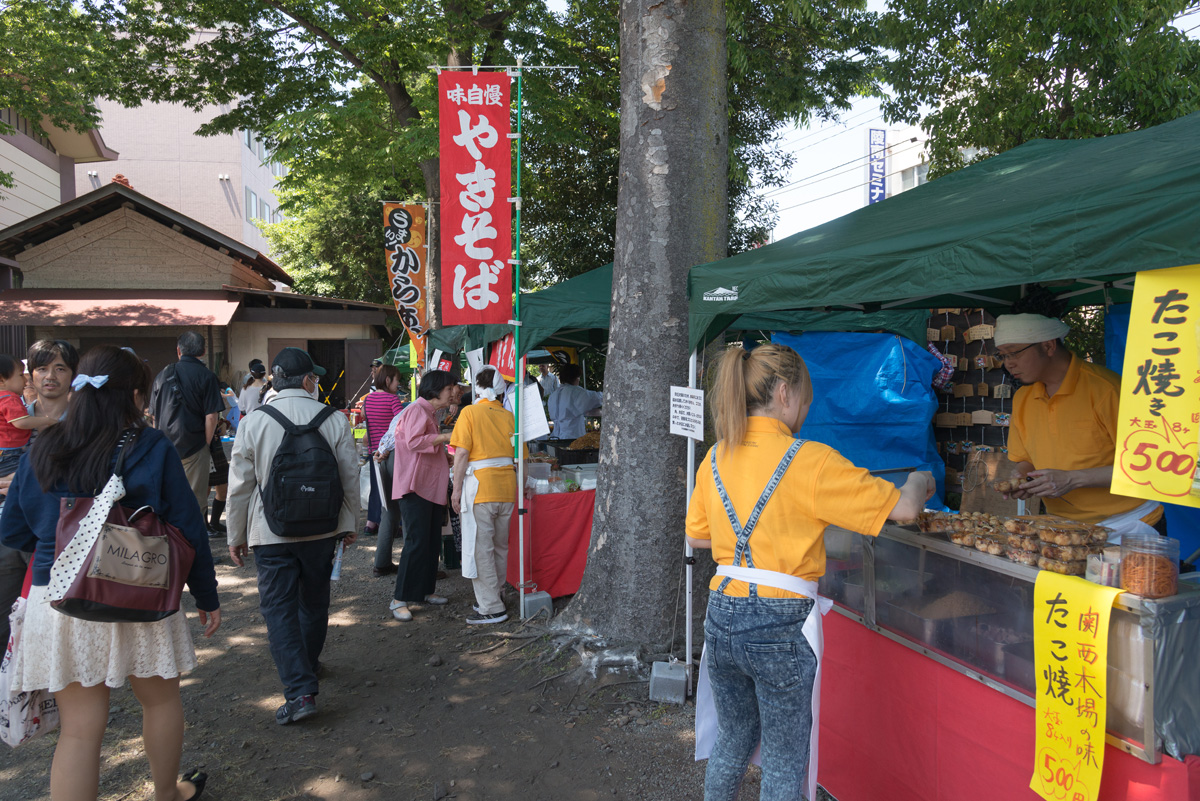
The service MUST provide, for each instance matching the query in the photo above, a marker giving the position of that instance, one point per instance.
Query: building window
(24, 126)
(914, 177)
(251, 203)
(248, 138)
(264, 211)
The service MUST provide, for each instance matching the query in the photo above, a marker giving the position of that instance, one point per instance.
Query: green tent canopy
(571, 314)
(575, 314)
(1079, 216)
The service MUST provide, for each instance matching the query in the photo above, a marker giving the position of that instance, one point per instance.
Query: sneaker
(297, 709)
(480, 619)
(400, 611)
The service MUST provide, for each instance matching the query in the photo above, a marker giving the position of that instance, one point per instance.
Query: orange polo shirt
(821, 488)
(485, 429)
(1074, 429)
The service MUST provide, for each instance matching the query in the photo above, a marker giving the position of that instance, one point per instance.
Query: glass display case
(973, 612)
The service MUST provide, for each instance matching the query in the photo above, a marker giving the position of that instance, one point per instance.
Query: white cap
(1026, 329)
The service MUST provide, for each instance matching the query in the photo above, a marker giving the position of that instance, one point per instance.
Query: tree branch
(324, 35)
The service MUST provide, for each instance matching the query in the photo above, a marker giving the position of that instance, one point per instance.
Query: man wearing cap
(1063, 431)
(293, 572)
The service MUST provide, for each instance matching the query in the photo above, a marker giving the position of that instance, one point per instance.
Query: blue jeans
(293, 596)
(762, 672)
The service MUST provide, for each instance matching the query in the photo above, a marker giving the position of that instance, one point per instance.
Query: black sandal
(198, 779)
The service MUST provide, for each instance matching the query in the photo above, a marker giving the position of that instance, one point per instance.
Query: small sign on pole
(687, 412)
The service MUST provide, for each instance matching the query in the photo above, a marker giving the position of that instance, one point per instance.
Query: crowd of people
(443, 461)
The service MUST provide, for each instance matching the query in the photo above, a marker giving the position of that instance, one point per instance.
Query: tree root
(500, 644)
(510, 635)
(551, 678)
(603, 687)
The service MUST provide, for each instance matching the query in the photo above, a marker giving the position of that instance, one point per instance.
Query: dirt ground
(424, 710)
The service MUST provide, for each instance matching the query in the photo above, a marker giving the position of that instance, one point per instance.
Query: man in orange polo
(1062, 436)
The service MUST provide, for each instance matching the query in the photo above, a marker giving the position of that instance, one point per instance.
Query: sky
(828, 177)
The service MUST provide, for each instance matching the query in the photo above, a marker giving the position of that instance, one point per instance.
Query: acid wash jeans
(762, 672)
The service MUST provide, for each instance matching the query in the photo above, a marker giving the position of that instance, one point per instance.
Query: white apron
(467, 515)
(706, 709)
(1130, 522)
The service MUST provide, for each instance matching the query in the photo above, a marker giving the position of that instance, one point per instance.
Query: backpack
(174, 416)
(303, 491)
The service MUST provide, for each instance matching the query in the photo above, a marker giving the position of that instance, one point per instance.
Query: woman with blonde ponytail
(762, 501)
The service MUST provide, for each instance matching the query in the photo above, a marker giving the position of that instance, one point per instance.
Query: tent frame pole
(688, 554)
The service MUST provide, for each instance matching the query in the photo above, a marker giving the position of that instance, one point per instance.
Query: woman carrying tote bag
(80, 660)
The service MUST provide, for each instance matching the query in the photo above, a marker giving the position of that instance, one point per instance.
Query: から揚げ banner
(404, 241)
(476, 220)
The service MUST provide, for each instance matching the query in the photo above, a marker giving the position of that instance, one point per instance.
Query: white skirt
(58, 649)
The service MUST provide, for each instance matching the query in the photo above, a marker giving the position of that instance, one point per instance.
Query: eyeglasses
(1007, 357)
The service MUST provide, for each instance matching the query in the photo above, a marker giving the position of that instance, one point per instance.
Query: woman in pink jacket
(419, 486)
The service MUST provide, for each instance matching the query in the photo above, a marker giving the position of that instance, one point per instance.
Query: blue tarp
(1183, 522)
(873, 400)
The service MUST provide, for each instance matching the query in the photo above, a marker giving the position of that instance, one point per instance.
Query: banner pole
(689, 557)
(519, 359)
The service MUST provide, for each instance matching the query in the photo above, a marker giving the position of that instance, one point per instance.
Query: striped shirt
(379, 408)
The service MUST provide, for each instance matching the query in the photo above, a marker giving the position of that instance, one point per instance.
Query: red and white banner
(504, 357)
(476, 181)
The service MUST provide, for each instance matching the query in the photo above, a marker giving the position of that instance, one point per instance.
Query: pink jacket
(421, 466)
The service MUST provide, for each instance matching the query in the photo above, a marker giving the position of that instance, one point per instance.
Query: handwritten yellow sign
(1159, 419)
(1070, 652)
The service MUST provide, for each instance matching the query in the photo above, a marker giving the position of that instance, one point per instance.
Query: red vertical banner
(404, 237)
(476, 181)
(504, 358)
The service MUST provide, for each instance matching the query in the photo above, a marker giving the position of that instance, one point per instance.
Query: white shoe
(400, 611)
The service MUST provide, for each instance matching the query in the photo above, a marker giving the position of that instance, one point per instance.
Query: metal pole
(688, 553)
(518, 440)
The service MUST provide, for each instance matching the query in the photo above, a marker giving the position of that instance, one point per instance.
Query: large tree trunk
(671, 215)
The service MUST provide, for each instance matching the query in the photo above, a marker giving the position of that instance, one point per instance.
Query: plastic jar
(1149, 565)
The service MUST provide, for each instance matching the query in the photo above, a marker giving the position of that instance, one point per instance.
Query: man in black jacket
(186, 404)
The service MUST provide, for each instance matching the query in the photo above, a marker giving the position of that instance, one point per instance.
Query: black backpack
(303, 492)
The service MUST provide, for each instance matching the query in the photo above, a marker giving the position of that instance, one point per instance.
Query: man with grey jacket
(293, 572)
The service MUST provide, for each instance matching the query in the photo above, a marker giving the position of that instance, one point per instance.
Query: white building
(225, 181)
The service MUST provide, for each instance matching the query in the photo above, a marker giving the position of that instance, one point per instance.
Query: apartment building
(224, 182)
(43, 166)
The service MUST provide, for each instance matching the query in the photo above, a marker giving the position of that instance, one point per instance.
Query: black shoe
(389, 570)
(198, 779)
(297, 709)
(480, 619)
(216, 534)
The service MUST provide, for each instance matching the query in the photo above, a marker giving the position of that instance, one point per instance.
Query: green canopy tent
(575, 313)
(1081, 216)
(571, 314)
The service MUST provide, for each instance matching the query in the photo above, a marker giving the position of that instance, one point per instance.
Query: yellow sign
(1157, 427)
(1070, 652)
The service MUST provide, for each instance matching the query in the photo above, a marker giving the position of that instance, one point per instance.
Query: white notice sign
(533, 417)
(687, 412)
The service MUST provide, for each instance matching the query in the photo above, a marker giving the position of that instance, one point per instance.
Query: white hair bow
(82, 380)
